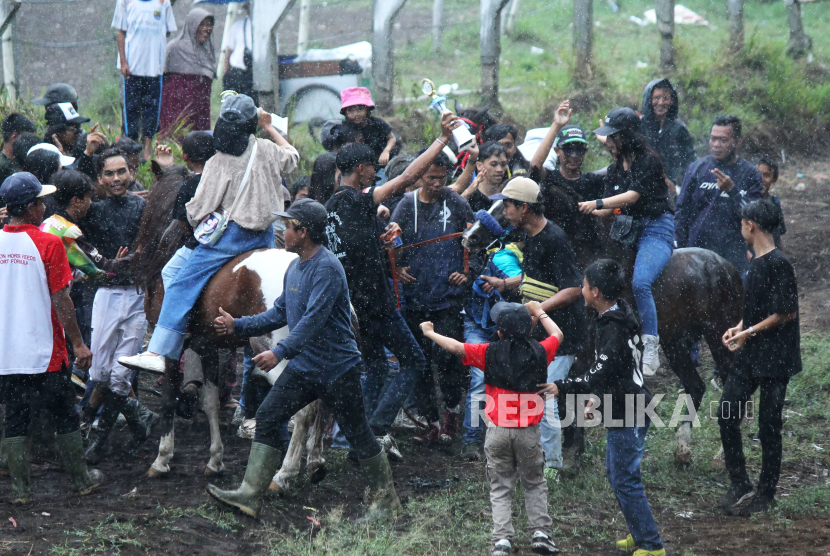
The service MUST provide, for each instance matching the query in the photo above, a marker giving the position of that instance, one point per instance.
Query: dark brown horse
(698, 295)
(247, 285)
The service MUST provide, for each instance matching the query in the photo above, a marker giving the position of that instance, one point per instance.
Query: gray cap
(57, 92)
(308, 212)
(237, 108)
(513, 319)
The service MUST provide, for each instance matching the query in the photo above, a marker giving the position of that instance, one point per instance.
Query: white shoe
(502, 548)
(390, 447)
(144, 362)
(247, 429)
(651, 355)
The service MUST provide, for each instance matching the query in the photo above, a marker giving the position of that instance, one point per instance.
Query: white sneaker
(542, 544)
(502, 548)
(247, 429)
(144, 362)
(390, 447)
(651, 355)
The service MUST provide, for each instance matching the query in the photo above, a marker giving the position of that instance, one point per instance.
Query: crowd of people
(484, 344)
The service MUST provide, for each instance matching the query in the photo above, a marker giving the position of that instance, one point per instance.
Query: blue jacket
(315, 306)
(431, 265)
(710, 218)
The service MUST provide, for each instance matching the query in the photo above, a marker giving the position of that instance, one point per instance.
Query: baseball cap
(57, 92)
(513, 319)
(65, 160)
(570, 134)
(63, 113)
(127, 145)
(619, 119)
(237, 107)
(21, 188)
(308, 212)
(521, 189)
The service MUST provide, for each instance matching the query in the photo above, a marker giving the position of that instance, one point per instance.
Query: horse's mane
(151, 253)
(565, 213)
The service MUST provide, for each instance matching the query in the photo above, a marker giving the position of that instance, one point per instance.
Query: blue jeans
(653, 253)
(174, 265)
(390, 330)
(623, 453)
(551, 431)
(473, 424)
(188, 284)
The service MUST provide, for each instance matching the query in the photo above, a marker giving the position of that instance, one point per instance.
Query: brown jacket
(263, 195)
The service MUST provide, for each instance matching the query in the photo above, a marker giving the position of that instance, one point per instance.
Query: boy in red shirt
(513, 367)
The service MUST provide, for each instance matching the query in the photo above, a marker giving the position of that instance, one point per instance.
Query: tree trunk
(735, 9)
(437, 24)
(302, 31)
(383, 59)
(665, 24)
(508, 20)
(800, 42)
(266, 16)
(583, 40)
(490, 39)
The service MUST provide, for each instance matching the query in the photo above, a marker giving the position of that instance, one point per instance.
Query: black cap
(127, 145)
(308, 212)
(21, 188)
(57, 92)
(570, 134)
(513, 319)
(619, 119)
(63, 113)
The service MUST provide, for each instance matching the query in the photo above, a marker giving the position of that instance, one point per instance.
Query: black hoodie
(617, 367)
(672, 142)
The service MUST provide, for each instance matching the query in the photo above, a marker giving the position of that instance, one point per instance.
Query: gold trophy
(461, 135)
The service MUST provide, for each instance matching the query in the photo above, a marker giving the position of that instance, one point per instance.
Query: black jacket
(617, 367)
(672, 142)
(111, 224)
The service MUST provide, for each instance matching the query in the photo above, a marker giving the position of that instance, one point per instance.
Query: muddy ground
(174, 515)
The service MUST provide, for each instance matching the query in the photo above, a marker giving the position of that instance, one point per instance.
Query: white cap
(65, 160)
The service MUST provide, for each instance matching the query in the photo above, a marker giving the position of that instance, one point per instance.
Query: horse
(698, 295)
(247, 285)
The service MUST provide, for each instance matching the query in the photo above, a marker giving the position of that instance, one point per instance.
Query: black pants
(452, 375)
(46, 390)
(241, 81)
(739, 387)
(142, 103)
(293, 391)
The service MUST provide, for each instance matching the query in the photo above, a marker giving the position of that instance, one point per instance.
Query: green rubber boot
(381, 497)
(83, 480)
(17, 457)
(263, 462)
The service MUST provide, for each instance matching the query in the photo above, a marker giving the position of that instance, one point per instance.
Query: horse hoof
(212, 472)
(274, 488)
(683, 456)
(154, 473)
(317, 475)
(717, 464)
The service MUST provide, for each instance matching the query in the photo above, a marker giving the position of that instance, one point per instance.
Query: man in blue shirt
(323, 363)
(715, 189)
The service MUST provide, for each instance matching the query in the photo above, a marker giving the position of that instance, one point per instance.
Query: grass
(106, 537)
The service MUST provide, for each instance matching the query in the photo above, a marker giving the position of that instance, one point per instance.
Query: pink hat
(355, 96)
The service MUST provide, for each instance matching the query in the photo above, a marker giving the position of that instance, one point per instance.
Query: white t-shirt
(238, 38)
(147, 23)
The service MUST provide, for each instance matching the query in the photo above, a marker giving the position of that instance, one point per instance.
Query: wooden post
(383, 57)
(266, 16)
(665, 24)
(437, 24)
(583, 40)
(509, 19)
(9, 10)
(735, 11)
(490, 39)
(302, 32)
(800, 42)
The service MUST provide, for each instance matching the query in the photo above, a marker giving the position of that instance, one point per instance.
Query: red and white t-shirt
(33, 266)
(508, 408)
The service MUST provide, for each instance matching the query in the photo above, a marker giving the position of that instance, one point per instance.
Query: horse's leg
(169, 393)
(723, 362)
(316, 465)
(293, 457)
(679, 354)
(210, 404)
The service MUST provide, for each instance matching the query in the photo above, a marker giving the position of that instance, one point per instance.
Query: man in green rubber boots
(323, 363)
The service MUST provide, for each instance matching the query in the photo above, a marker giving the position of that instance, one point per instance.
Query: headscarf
(186, 55)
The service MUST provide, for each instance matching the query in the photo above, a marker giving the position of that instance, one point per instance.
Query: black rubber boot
(83, 480)
(17, 457)
(381, 497)
(113, 405)
(263, 462)
(140, 420)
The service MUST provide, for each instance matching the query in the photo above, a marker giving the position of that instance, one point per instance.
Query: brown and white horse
(247, 285)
